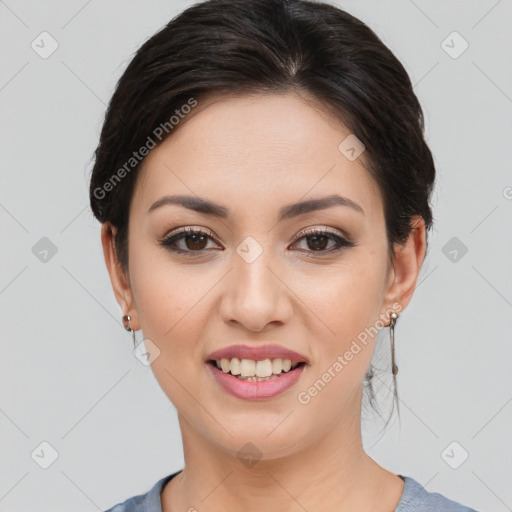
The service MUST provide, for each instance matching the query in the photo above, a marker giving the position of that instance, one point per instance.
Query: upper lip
(257, 353)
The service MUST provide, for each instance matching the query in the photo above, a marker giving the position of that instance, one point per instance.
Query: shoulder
(133, 504)
(415, 498)
(147, 502)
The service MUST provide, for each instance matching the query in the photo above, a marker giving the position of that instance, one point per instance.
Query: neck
(333, 468)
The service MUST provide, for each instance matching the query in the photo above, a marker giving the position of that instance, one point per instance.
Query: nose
(256, 295)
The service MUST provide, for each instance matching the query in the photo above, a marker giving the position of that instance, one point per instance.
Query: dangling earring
(394, 367)
(128, 327)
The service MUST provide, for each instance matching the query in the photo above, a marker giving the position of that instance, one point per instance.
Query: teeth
(258, 379)
(235, 366)
(247, 368)
(264, 368)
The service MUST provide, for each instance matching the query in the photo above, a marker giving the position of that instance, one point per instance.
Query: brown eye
(188, 240)
(197, 241)
(317, 240)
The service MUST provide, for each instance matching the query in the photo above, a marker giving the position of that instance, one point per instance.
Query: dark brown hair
(268, 46)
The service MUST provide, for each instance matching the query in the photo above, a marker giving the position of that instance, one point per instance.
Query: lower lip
(256, 390)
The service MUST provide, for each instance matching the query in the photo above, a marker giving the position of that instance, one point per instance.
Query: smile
(252, 380)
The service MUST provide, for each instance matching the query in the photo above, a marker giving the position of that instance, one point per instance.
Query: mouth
(256, 371)
(248, 379)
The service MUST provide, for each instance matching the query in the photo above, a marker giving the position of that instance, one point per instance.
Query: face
(258, 271)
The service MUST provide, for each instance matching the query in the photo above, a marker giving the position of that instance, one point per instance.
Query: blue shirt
(415, 498)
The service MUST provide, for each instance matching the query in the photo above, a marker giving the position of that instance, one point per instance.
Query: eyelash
(169, 241)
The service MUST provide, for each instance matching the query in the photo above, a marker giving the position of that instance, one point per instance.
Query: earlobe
(407, 265)
(118, 277)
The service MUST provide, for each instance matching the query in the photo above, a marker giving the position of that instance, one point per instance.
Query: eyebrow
(204, 206)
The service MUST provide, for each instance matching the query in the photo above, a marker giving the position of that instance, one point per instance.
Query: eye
(318, 239)
(187, 240)
(190, 240)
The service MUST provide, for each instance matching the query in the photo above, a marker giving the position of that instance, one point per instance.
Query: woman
(263, 185)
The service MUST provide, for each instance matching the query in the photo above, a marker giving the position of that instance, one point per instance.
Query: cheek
(360, 294)
(168, 300)
(349, 306)
(173, 317)
(346, 303)
(350, 295)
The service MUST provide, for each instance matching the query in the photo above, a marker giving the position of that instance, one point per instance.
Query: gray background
(68, 375)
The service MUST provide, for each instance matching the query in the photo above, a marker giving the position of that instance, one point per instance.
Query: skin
(253, 155)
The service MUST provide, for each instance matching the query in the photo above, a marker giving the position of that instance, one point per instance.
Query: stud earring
(128, 327)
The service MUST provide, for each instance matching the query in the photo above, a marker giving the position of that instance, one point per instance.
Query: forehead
(257, 152)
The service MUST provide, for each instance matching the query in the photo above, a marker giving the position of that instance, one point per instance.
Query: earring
(394, 367)
(128, 327)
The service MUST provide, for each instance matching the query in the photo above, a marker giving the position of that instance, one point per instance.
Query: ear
(403, 274)
(118, 277)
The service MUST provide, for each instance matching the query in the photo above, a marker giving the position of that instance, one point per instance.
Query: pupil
(315, 238)
(196, 239)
